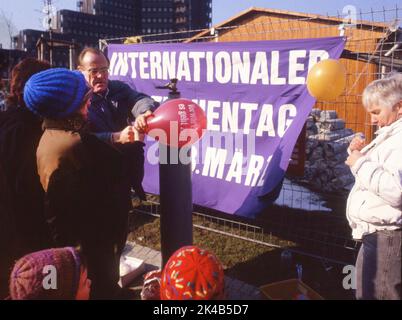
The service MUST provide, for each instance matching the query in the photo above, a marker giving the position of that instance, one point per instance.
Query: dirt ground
(258, 264)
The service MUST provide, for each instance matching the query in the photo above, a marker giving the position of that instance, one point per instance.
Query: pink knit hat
(29, 272)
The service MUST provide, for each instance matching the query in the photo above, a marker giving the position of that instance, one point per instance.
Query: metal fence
(305, 218)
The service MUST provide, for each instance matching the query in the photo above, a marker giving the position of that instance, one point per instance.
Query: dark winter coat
(22, 223)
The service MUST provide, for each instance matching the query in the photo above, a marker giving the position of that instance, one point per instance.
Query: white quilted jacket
(375, 201)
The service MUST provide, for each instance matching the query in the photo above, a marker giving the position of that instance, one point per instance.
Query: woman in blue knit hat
(22, 223)
(79, 174)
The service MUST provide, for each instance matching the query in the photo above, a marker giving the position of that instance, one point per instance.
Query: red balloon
(177, 122)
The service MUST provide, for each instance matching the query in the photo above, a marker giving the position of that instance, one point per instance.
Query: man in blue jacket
(117, 115)
(114, 105)
(114, 108)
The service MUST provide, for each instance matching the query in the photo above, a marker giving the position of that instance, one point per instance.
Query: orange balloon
(326, 80)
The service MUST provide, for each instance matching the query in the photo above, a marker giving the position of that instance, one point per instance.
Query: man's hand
(138, 136)
(354, 156)
(140, 123)
(124, 136)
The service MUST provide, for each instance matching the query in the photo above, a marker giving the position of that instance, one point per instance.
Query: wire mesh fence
(309, 214)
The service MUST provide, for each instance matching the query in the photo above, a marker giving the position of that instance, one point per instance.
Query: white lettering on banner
(316, 56)
(212, 115)
(183, 67)
(143, 65)
(196, 56)
(122, 63)
(261, 67)
(260, 182)
(214, 163)
(241, 67)
(214, 167)
(283, 121)
(227, 156)
(169, 65)
(294, 66)
(249, 108)
(223, 67)
(260, 70)
(266, 123)
(228, 121)
(155, 65)
(236, 168)
(210, 66)
(254, 170)
(230, 117)
(275, 79)
(133, 56)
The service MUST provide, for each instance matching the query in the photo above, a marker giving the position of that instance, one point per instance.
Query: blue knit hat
(55, 93)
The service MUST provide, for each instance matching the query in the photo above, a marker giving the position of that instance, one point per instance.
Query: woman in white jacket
(374, 205)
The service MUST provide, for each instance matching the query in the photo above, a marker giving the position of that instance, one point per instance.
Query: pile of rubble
(326, 151)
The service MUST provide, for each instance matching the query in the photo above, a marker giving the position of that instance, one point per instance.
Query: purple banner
(256, 101)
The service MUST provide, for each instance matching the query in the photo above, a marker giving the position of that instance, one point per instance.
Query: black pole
(176, 207)
(175, 197)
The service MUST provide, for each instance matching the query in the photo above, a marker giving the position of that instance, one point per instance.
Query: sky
(26, 14)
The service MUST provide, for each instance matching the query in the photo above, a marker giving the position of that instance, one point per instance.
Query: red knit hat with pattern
(28, 278)
(192, 274)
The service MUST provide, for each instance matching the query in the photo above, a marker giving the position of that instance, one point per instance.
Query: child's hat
(48, 274)
(192, 273)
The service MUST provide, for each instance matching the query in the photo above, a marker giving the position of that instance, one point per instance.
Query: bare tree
(11, 29)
